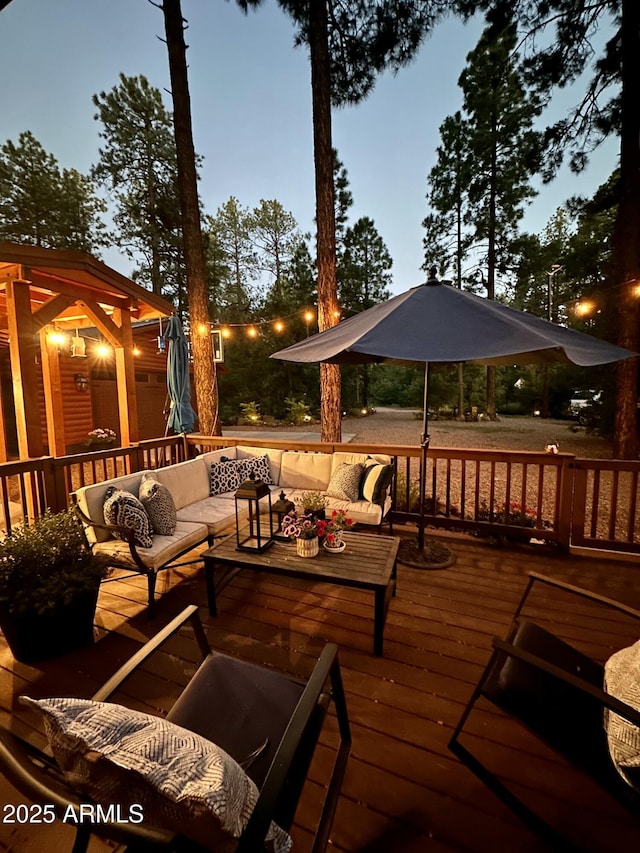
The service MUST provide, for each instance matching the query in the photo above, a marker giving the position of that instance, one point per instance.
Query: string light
(57, 338)
(137, 351)
(252, 331)
(102, 350)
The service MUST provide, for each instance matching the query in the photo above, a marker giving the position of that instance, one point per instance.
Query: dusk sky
(251, 108)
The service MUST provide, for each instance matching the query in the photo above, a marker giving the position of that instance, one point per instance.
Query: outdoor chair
(268, 722)
(557, 693)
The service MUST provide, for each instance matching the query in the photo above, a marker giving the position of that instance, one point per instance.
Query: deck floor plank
(404, 790)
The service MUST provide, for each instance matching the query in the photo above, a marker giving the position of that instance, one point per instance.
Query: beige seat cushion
(164, 548)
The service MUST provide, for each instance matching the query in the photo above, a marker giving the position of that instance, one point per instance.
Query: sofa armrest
(126, 534)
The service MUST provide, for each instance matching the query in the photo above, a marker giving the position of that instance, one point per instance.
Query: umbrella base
(434, 555)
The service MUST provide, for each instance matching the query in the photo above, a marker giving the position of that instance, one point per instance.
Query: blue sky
(251, 108)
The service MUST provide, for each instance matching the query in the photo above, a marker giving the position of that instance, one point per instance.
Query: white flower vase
(307, 547)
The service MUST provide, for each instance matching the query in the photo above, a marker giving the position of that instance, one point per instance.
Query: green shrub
(298, 412)
(250, 413)
(47, 563)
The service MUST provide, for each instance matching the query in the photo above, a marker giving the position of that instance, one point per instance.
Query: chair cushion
(183, 782)
(622, 680)
(376, 481)
(156, 498)
(125, 510)
(345, 482)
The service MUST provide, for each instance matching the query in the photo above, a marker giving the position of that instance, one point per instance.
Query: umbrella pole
(424, 444)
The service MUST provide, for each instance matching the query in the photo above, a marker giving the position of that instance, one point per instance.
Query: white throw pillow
(182, 781)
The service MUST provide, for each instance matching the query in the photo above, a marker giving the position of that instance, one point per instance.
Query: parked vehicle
(585, 406)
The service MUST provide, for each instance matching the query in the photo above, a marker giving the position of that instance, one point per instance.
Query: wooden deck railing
(551, 498)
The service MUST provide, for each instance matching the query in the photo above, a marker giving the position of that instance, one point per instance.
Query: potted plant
(305, 529)
(100, 437)
(336, 524)
(313, 503)
(49, 582)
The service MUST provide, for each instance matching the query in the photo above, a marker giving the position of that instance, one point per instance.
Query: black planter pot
(36, 637)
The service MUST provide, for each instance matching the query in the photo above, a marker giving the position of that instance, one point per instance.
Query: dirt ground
(403, 426)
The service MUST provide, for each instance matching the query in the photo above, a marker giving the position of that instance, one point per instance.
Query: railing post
(55, 492)
(566, 502)
(579, 507)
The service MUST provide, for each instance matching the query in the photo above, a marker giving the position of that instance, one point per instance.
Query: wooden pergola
(42, 290)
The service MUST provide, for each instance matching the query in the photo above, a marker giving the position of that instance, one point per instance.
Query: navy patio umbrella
(181, 417)
(438, 323)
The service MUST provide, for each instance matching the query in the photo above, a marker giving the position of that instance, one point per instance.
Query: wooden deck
(404, 791)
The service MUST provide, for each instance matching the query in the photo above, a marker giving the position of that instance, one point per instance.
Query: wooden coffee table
(368, 562)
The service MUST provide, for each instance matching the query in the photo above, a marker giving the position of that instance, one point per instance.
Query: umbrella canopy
(181, 416)
(438, 323)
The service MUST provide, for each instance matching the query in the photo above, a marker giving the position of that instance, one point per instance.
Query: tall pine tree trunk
(330, 411)
(204, 370)
(626, 237)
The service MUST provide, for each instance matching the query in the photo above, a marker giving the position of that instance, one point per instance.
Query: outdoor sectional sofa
(202, 491)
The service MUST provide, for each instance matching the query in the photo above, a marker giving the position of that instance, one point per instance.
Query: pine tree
(44, 206)
(138, 167)
(503, 148)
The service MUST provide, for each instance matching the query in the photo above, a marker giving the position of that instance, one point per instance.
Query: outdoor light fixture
(102, 350)
(254, 495)
(82, 383)
(78, 347)
(280, 508)
(57, 338)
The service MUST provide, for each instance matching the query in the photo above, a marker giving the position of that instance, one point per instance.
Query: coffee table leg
(209, 570)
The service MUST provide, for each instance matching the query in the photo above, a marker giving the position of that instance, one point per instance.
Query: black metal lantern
(281, 508)
(258, 535)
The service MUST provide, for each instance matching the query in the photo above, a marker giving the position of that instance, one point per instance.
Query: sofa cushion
(125, 510)
(226, 476)
(307, 471)
(158, 503)
(164, 548)
(376, 481)
(181, 781)
(187, 481)
(345, 482)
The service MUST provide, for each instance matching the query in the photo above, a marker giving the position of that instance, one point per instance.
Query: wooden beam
(104, 323)
(50, 310)
(23, 352)
(126, 381)
(52, 395)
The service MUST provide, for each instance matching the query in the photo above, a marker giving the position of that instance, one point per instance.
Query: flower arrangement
(303, 525)
(100, 435)
(334, 527)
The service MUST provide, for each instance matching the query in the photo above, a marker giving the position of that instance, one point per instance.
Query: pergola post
(126, 380)
(23, 354)
(53, 398)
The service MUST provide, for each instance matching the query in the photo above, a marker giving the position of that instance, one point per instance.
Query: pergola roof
(79, 276)
(43, 289)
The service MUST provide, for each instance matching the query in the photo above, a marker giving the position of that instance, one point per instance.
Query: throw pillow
(376, 481)
(345, 482)
(622, 680)
(159, 505)
(259, 465)
(125, 510)
(183, 782)
(226, 476)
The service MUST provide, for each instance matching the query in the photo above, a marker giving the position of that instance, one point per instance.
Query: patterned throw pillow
(158, 502)
(345, 482)
(125, 510)
(259, 465)
(182, 781)
(376, 481)
(622, 680)
(226, 476)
